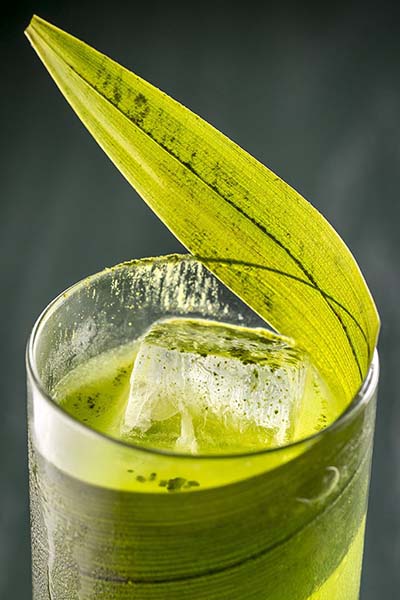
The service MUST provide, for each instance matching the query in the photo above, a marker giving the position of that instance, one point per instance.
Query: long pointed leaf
(256, 233)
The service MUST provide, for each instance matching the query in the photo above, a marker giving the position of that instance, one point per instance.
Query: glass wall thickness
(283, 524)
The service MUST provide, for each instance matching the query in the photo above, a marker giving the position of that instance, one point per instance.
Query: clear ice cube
(202, 370)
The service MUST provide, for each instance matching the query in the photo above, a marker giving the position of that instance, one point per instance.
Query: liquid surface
(97, 392)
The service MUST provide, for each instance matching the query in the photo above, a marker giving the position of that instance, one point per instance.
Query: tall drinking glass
(277, 524)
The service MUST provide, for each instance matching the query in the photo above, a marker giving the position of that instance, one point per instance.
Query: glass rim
(362, 397)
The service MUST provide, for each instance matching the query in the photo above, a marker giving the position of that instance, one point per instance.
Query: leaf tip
(31, 26)
(36, 24)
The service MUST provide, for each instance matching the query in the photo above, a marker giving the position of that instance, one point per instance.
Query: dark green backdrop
(314, 93)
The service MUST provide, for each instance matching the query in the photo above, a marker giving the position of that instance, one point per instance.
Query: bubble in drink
(201, 376)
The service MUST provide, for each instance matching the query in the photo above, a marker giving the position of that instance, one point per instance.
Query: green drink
(216, 463)
(231, 519)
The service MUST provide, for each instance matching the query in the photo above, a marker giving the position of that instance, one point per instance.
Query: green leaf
(255, 232)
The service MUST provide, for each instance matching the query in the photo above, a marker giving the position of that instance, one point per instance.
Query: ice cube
(202, 370)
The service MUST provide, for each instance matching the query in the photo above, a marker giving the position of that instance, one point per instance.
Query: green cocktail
(215, 472)
(231, 519)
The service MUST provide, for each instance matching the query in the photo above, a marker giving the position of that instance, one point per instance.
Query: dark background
(313, 92)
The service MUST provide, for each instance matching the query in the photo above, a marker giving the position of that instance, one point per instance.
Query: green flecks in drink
(96, 392)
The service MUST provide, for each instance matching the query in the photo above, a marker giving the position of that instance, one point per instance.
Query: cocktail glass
(277, 524)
